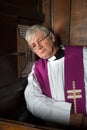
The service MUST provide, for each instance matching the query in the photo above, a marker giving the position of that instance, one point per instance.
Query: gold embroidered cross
(74, 94)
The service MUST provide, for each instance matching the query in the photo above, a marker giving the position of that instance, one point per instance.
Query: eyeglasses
(34, 45)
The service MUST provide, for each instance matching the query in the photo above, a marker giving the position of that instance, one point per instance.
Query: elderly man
(57, 84)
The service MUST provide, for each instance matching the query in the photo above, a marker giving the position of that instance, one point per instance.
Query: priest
(57, 85)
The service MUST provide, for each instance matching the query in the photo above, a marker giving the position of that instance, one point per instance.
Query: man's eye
(33, 46)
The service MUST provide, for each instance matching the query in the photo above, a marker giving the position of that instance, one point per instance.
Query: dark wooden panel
(78, 33)
(8, 34)
(19, 3)
(46, 7)
(28, 9)
(8, 70)
(8, 45)
(12, 13)
(12, 103)
(61, 19)
(14, 125)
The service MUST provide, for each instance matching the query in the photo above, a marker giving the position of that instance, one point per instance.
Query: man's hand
(85, 123)
(78, 121)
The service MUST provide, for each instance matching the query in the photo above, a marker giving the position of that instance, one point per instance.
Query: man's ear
(52, 36)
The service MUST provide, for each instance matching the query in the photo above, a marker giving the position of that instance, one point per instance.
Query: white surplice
(53, 109)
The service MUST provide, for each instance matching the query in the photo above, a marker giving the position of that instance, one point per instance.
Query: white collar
(52, 58)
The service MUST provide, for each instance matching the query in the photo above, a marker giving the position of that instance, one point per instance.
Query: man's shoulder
(41, 61)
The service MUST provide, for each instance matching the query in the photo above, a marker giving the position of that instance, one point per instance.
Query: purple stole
(74, 78)
(41, 73)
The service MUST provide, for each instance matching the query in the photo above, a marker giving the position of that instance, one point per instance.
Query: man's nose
(39, 45)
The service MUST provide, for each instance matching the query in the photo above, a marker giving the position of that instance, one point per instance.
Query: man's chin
(45, 57)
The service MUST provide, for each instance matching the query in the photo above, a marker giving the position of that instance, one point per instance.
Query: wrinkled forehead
(34, 35)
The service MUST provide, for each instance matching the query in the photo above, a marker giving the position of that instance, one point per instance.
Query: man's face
(43, 46)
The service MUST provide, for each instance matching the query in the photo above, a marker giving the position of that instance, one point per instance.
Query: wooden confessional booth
(66, 18)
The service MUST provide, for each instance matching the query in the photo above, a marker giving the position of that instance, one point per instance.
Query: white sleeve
(44, 107)
(85, 71)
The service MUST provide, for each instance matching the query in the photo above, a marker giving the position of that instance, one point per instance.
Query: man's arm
(44, 107)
